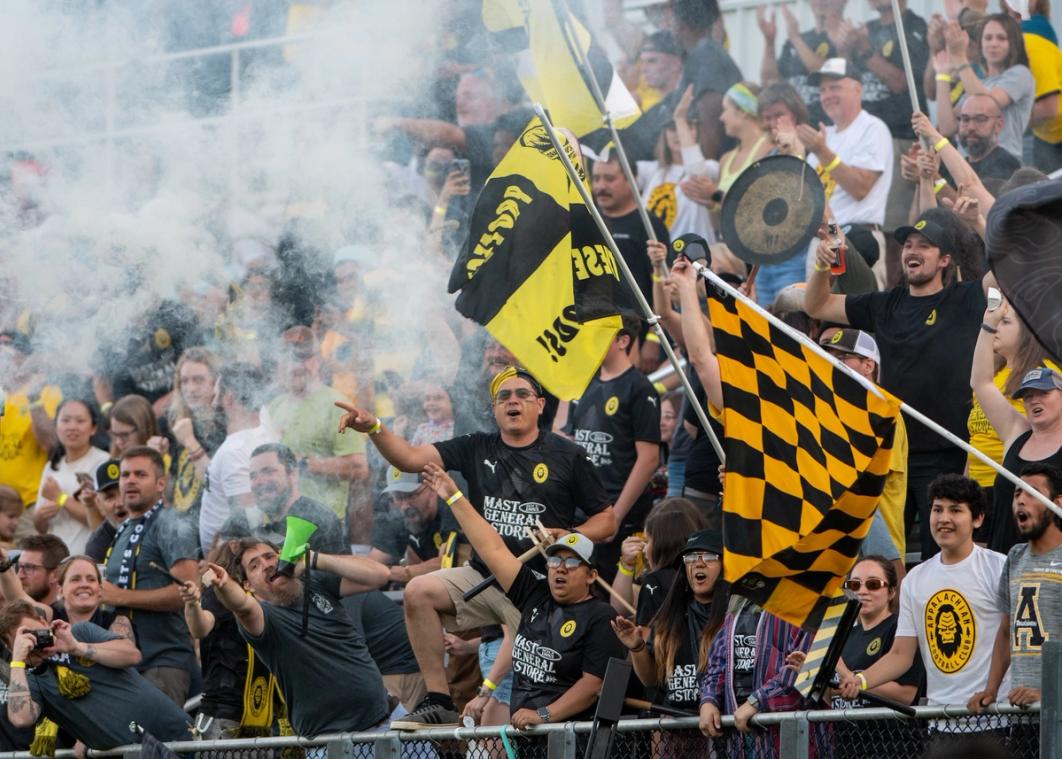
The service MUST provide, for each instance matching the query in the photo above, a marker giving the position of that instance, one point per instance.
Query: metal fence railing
(846, 734)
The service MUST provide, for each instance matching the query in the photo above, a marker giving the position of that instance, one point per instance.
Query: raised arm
(695, 333)
(398, 452)
(247, 609)
(359, 573)
(22, 710)
(484, 539)
(1006, 420)
(819, 302)
(200, 621)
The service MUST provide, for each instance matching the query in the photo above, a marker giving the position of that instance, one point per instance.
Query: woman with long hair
(70, 467)
(131, 423)
(195, 425)
(1007, 78)
(1032, 437)
(647, 562)
(669, 656)
(741, 120)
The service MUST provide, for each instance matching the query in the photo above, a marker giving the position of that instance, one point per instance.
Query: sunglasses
(705, 556)
(522, 393)
(872, 583)
(570, 562)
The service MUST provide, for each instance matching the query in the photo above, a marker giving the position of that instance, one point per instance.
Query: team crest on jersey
(873, 647)
(322, 603)
(541, 473)
(612, 405)
(567, 628)
(951, 630)
(932, 318)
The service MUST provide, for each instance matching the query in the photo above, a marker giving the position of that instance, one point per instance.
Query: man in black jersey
(515, 476)
(617, 421)
(925, 329)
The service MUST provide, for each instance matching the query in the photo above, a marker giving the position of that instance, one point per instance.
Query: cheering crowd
(215, 506)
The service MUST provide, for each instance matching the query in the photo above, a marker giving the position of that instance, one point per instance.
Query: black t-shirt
(382, 623)
(549, 479)
(556, 644)
(185, 490)
(102, 617)
(100, 540)
(793, 70)
(998, 164)
(702, 462)
(328, 538)
(319, 672)
(744, 650)
(392, 535)
(681, 689)
(864, 647)
(629, 234)
(655, 587)
(894, 108)
(608, 420)
(926, 346)
(224, 657)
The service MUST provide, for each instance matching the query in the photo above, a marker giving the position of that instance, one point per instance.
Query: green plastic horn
(296, 541)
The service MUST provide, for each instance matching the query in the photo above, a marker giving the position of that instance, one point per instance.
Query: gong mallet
(599, 580)
(523, 558)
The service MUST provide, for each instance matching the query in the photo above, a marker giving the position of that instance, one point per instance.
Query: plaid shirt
(772, 680)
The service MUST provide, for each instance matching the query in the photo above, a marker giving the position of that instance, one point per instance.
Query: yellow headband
(743, 98)
(500, 377)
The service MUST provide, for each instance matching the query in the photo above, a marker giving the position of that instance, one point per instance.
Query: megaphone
(296, 541)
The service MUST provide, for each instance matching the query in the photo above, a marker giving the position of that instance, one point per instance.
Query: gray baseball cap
(574, 541)
(401, 482)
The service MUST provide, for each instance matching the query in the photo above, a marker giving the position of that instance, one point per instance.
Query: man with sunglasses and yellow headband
(515, 476)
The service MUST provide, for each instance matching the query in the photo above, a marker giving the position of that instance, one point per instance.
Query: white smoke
(145, 187)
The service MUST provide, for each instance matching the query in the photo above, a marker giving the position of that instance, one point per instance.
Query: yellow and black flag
(807, 452)
(536, 271)
(552, 48)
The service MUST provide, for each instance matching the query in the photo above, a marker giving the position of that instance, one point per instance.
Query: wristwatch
(753, 702)
(485, 692)
(543, 712)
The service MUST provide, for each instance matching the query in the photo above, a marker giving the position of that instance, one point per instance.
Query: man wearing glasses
(38, 559)
(980, 122)
(515, 476)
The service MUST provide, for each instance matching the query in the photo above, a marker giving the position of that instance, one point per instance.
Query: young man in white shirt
(949, 605)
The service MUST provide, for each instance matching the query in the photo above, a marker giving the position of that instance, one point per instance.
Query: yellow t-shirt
(21, 459)
(894, 495)
(983, 435)
(1045, 63)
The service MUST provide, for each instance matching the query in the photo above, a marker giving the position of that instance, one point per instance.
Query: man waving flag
(553, 50)
(807, 452)
(536, 271)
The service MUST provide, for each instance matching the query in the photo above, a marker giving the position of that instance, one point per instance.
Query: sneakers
(427, 715)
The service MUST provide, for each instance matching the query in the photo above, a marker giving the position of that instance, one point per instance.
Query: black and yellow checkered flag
(807, 452)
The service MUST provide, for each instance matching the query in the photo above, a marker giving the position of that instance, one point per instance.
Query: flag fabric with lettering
(807, 453)
(553, 50)
(536, 271)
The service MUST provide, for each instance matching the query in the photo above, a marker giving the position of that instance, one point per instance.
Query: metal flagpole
(915, 414)
(897, 19)
(606, 116)
(652, 318)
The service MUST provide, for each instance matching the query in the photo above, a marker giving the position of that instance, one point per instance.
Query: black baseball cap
(107, 475)
(702, 540)
(930, 230)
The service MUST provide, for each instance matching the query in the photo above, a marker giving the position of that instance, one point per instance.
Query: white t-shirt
(63, 526)
(228, 476)
(663, 196)
(954, 611)
(864, 144)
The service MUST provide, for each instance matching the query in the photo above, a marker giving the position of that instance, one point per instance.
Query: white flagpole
(915, 414)
(652, 318)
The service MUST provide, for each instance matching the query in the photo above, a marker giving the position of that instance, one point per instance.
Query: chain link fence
(847, 734)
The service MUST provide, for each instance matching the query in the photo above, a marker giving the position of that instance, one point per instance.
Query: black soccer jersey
(512, 487)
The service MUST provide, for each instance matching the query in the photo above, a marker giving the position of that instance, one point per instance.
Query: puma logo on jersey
(652, 399)
(651, 589)
(491, 465)
(415, 540)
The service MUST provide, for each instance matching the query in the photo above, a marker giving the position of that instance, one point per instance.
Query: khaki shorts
(409, 689)
(491, 607)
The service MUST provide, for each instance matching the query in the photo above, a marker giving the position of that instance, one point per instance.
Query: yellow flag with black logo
(554, 52)
(807, 453)
(536, 271)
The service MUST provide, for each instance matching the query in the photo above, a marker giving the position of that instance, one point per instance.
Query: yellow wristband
(440, 210)
(454, 498)
(820, 267)
(18, 665)
(623, 570)
(660, 388)
(657, 278)
(939, 185)
(945, 78)
(832, 164)
(62, 499)
(489, 685)
(375, 429)
(941, 144)
(862, 680)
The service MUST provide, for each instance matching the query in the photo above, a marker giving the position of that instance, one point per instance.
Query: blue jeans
(773, 278)
(488, 653)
